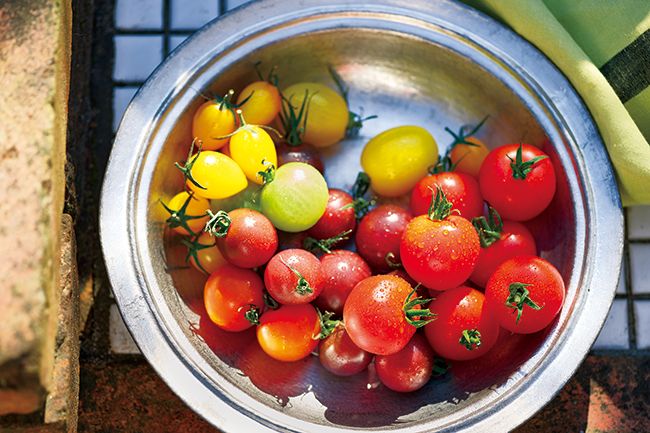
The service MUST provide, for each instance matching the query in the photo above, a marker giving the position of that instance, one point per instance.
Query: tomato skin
(516, 240)
(339, 355)
(196, 207)
(210, 258)
(461, 189)
(517, 199)
(374, 315)
(281, 281)
(461, 308)
(379, 233)
(335, 220)
(218, 174)
(328, 113)
(229, 293)
(409, 369)
(263, 104)
(440, 254)
(249, 147)
(299, 153)
(546, 290)
(251, 240)
(341, 270)
(398, 158)
(210, 122)
(289, 333)
(468, 159)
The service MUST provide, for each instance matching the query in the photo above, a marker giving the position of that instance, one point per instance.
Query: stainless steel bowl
(433, 64)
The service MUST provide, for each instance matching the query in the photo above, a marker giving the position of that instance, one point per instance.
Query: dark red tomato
(515, 240)
(231, 295)
(375, 314)
(461, 189)
(525, 293)
(518, 180)
(409, 369)
(339, 355)
(335, 220)
(300, 153)
(379, 234)
(465, 327)
(251, 239)
(288, 241)
(341, 270)
(293, 277)
(289, 333)
(439, 250)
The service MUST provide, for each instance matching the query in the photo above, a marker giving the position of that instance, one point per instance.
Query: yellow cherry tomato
(327, 112)
(398, 158)
(249, 146)
(263, 103)
(208, 254)
(213, 119)
(196, 207)
(218, 174)
(468, 159)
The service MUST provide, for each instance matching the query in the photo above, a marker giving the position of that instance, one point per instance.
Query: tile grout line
(166, 27)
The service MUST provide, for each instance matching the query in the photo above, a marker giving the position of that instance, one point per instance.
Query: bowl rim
(121, 212)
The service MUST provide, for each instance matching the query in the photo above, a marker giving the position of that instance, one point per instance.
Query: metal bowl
(433, 64)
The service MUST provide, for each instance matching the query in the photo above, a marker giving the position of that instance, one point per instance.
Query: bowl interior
(404, 80)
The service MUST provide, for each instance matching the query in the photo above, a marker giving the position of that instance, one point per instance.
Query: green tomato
(296, 198)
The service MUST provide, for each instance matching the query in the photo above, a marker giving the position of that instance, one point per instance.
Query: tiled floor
(147, 30)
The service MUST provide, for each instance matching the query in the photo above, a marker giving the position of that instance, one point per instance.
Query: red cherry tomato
(251, 239)
(293, 277)
(288, 241)
(289, 333)
(439, 250)
(409, 369)
(525, 293)
(340, 356)
(375, 314)
(379, 234)
(465, 327)
(335, 220)
(231, 295)
(299, 153)
(518, 180)
(341, 270)
(461, 189)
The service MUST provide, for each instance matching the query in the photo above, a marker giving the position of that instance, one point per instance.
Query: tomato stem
(520, 296)
(268, 174)
(520, 169)
(186, 168)
(325, 245)
(295, 123)
(253, 314)
(327, 325)
(489, 230)
(179, 218)
(272, 77)
(355, 120)
(226, 100)
(471, 339)
(218, 224)
(360, 204)
(269, 301)
(193, 247)
(461, 136)
(417, 317)
(302, 286)
(440, 367)
(392, 261)
(440, 207)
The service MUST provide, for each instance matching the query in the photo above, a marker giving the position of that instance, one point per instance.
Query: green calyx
(360, 204)
(519, 297)
(269, 301)
(268, 174)
(271, 78)
(294, 123)
(417, 317)
(186, 168)
(520, 169)
(253, 314)
(471, 339)
(218, 224)
(355, 120)
(488, 229)
(440, 367)
(440, 207)
(461, 136)
(193, 247)
(392, 261)
(179, 218)
(325, 245)
(327, 324)
(302, 286)
(225, 102)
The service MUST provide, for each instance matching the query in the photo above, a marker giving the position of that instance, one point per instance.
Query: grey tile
(620, 288)
(121, 98)
(119, 337)
(638, 222)
(614, 334)
(176, 40)
(139, 14)
(136, 56)
(642, 313)
(193, 14)
(640, 267)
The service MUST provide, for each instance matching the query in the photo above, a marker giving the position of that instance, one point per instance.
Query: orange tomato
(263, 103)
(214, 119)
(468, 159)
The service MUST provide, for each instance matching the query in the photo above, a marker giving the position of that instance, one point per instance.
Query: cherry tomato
(294, 277)
(290, 241)
(465, 327)
(375, 314)
(461, 189)
(290, 332)
(196, 207)
(252, 148)
(518, 180)
(251, 239)
(340, 356)
(214, 119)
(398, 158)
(296, 198)
(379, 234)
(439, 250)
(338, 217)
(467, 158)
(341, 270)
(525, 293)
(248, 198)
(218, 174)
(500, 241)
(263, 102)
(328, 112)
(231, 295)
(409, 369)
(209, 257)
(299, 153)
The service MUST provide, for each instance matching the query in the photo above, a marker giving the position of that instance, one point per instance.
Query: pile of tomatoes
(433, 280)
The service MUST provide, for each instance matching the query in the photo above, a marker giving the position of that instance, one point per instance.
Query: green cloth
(593, 41)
